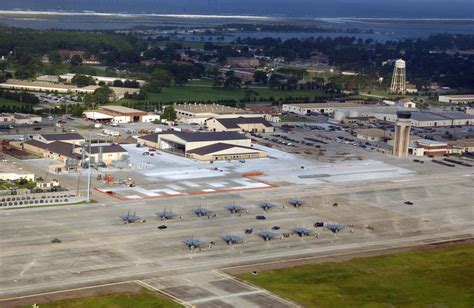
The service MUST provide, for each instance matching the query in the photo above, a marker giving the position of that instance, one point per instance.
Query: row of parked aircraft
(202, 212)
(230, 239)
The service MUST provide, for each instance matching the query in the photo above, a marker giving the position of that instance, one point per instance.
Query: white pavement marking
(27, 267)
(207, 299)
(146, 285)
(63, 291)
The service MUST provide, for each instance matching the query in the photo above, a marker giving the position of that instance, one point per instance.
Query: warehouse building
(19, 118)
(120, 114)
(323, 108)
(207, 146)
(71, 138)
(199, 113)
(431, 118)
(242, 62)
(239, 124)
(461, 146)
(40, 86)
(457, 99)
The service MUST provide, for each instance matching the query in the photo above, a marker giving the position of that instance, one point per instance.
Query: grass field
(440, 277)
(144, 299)
(10, 102)
(203, 91)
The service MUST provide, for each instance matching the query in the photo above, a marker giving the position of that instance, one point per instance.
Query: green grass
(203, 92)
(144, 299)
(435, 278)
(10, 102)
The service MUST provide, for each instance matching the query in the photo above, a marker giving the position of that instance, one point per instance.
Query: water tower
(398, 85)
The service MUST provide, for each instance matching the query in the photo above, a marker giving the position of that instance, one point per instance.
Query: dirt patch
(118, 288)
(341, 257)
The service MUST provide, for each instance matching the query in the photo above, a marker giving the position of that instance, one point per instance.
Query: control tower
(398, 85)
(402, 134)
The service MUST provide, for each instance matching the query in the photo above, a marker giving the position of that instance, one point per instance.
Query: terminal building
(120, 114)
(239, 124)
(199, 113)
(206, 146)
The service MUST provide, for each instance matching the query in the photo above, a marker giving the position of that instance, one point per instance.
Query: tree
(118, 83)
(169, 113)
(250, 95)
(3, 65)
(54, 57)
(260, 77)
(275, 80)
(232, 82)
(82, 80)
(158, 78)
(76, 60)
(101, 95)
(24, 72)
(218, 82)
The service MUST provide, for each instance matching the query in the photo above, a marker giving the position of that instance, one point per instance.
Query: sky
(293, 8)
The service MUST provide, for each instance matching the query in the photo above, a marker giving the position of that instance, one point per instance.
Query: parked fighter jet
(194, 243)
(231, 239)
(234, 209)
(301, 231)
(200, 211)
(334, 228)
(266, 235)
(129, 218)
(165, 215)
(296, 202)
(265, 205)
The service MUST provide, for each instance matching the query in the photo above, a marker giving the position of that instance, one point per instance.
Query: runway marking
(207, 299)
(69, 290)
(251, 286)
(148, 286)
(27, 267)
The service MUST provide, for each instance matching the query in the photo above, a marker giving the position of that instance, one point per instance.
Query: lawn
(10, 102)
(203, 91)
(144, 299)
(440, 277)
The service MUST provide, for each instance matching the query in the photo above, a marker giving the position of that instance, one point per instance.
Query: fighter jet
(129, 218)
(301, 231)
(231, 239)
(194, 243)
(165, 215)
(234, 209)
(334, 228)
(266, 235)
(200, 211)
(265, 205)
(296, 202)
